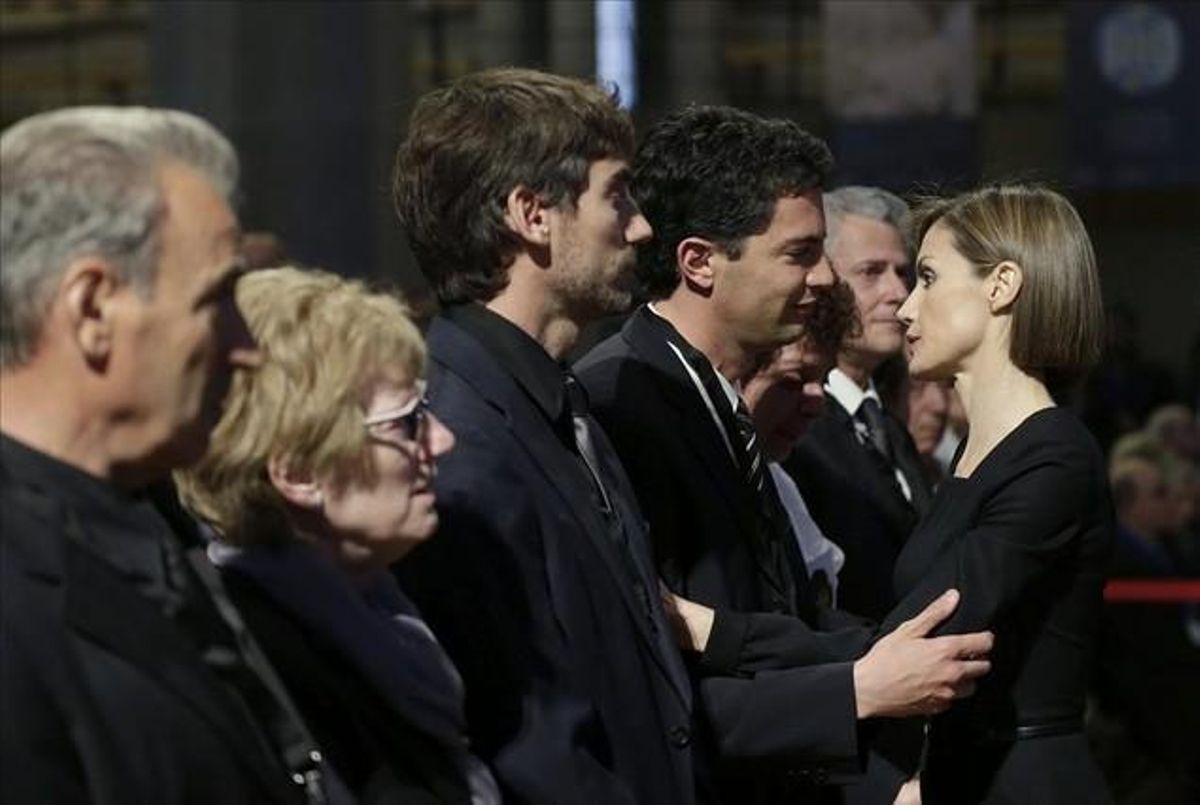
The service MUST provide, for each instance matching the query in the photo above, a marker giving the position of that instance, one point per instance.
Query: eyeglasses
(409, 423)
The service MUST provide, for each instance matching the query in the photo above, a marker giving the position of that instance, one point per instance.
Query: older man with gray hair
(857, 466)
(125, 676)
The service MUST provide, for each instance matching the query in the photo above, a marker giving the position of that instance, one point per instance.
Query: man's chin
(613, 302)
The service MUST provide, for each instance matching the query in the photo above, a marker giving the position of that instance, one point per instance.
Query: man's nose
(638, 229)
(906, 310)
(440, 439)
(821, 274)
(896, 285)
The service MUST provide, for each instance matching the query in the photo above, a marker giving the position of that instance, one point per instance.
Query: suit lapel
(871, 472)
(128, 625)
(696, 420)
(461, 354)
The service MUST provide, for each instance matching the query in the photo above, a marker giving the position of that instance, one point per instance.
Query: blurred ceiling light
(616, 61)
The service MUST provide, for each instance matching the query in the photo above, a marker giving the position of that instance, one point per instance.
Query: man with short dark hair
(124, 675)
(737, 269)
(857, 464)
(513, 187)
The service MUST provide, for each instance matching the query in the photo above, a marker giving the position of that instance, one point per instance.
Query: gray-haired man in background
(857, 466)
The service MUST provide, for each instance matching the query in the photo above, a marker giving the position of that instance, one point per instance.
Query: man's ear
(88, 294)
(1004, 286)
(527, 215)
(693, 258)
(298, 487)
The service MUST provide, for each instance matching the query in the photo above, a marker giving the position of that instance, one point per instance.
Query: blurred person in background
(856, 465)
(927, 412)
(1144, 510)
(1147, 712)
(319, 477)
(125, 675)
(924, 406)
(953, 434)
(1177, 428)
(1170, 522)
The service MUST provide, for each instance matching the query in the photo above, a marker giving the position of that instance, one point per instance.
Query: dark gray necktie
(578, 403)
(871, 415)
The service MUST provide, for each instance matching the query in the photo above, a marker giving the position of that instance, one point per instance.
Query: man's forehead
(797, 216)
(189, 194)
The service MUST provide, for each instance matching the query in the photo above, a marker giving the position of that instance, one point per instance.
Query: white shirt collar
(730, 391)
(847, 392)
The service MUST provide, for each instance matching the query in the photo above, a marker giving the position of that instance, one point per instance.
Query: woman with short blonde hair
(1007, 306)
(318, 478)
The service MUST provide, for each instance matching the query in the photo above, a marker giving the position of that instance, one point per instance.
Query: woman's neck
(998, 396)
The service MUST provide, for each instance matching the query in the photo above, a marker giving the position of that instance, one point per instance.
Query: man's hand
(909, 674)
(692, 622)
(910, 793)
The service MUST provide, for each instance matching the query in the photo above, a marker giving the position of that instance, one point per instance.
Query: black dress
(1025, 539)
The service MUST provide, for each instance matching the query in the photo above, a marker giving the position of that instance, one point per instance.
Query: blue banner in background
(1133, 93)
(933, 154)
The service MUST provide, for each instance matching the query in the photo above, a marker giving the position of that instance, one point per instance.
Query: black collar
(125, 527)
(518, 354)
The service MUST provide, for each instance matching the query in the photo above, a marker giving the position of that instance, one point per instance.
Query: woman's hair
(1058, 317)
(326, 342)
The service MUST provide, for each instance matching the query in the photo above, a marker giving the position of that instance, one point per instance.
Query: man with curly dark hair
(736, 270)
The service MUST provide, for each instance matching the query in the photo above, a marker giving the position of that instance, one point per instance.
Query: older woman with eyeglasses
(317, 479)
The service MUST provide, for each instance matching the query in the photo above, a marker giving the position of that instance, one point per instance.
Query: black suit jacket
(852, 495)
(1026, 540)
(688, 486)
(103, 699)
(574, 694)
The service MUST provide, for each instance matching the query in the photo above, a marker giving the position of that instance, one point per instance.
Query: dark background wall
(315, 95)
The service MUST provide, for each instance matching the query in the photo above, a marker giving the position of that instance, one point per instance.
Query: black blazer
(369, 743)
(688, 486)
(1026, 540)
(573, 693)
(852, 495)
(104, 701)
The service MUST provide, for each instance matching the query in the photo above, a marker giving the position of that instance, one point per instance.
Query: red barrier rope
(1152, 591)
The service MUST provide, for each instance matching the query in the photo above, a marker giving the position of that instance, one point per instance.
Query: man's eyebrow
(619, 178)
(795, 243)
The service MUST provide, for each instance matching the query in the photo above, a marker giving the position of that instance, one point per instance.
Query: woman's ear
(693, 258)
(1004, 286)
(298, 487)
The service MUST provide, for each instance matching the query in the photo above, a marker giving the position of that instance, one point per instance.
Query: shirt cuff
(724, 649)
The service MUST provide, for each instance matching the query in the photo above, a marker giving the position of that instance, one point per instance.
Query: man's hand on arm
(908, 674)
(693, 622)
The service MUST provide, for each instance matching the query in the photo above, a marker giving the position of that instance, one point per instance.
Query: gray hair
(83, 182)
(874, 203)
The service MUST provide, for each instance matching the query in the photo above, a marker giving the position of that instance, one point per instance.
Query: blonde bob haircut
(326, 343)
(1058, 317)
